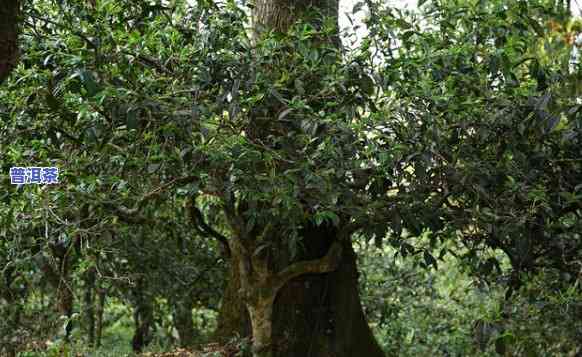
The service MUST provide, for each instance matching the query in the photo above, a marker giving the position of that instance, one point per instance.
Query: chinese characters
(34, 175)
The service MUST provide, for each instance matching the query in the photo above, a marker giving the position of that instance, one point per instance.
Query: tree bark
(9, 13)
(315, 314)
(89, 302)
(261, 315)
(143, 316)
(233, 320)
(101, 295)
(279, 15)
(307, 309)
(260, 283)
(183, 322)
(59, 277)
(323, 315)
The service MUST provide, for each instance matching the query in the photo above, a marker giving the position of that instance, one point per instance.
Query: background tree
(9, 13)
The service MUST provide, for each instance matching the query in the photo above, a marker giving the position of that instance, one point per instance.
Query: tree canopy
(224, 167)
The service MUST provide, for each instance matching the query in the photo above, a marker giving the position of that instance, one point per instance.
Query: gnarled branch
(204, 228)
(326, 264)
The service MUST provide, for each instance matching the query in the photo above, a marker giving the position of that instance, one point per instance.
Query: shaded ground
(213, 348)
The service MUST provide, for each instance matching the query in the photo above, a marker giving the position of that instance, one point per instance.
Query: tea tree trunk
(311, 307)
(313, 314)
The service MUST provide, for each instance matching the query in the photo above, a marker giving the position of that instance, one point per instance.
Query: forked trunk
(314, 315)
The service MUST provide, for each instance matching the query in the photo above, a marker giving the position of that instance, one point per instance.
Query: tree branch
(88, 41)
(204, 228)
(130, 215)
(327, 264)
(149, 62)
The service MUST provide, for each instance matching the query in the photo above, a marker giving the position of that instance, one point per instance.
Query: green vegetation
(235, 181)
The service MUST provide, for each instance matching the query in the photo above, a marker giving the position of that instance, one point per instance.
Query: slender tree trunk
(59, 277)
(101, 295)
(183, 322)
(143, 317)
(89, 302)
(66, 301)
(9, 12)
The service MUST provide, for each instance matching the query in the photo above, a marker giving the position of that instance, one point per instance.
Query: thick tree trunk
(260, 284)
(279, 15)
(323, 316)
(9, 12)
(233, 318)
(313, 315)
(261, 315)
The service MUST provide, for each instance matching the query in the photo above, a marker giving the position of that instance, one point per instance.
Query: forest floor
(213, 349)
(207, 350)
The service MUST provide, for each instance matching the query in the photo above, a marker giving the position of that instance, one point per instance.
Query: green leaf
(429, 260)
(89, 82)
(131, 120)
(536, 26)
(153, 167)
(396, 224)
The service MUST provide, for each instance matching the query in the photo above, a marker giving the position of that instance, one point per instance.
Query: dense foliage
(449, 138)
